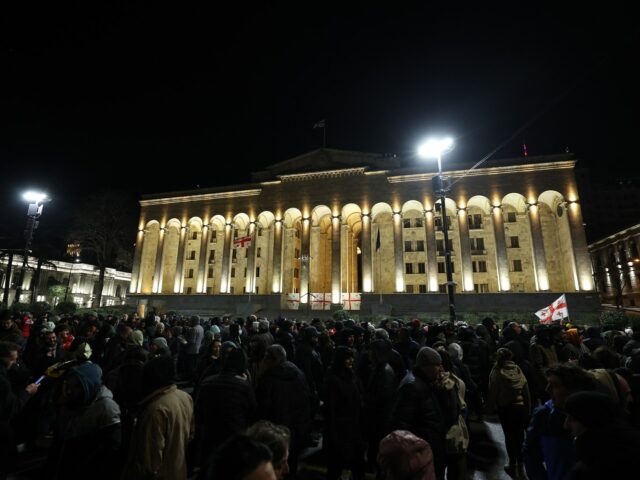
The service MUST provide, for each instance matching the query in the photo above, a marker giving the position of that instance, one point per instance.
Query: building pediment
(326, 159)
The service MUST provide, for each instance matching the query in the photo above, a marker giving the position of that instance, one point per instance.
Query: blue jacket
(547, 441)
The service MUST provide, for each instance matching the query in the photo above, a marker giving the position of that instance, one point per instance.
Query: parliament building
(340, 229)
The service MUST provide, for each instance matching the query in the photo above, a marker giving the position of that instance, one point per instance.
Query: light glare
(434, 147)
(33, 196)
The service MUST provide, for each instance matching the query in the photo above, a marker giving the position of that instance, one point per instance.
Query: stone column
(203, 260)
(276, 280)
(537, 243)
(136, 271)
(179, 280)
(226, 259)
(502, 262)
(580, 251)
(157, 276)
(466, 269)
(305, 260)
(365, 242)
(432, 259)
(398, 251)
(336, 277)
(250, 283)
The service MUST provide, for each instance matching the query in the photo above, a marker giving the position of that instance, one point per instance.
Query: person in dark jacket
(283, 398)
(378, 397)
(284, 337)
(343, 441)
(548, 451)
(593, 339)
(226, 404)
(476, 358)
(308, 360)
(11, 403)
(421, 408)
(9, 330)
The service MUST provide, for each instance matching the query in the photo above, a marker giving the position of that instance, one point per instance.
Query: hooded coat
(161, 436)
(508, 386)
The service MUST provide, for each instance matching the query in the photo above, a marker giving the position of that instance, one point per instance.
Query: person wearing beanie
(402, 455)
(424, 408)
(88, 434)
(606, 445)
(159, 346)
(164, 427)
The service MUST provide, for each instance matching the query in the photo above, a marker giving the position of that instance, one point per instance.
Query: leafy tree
(103, 227)
(66, 307)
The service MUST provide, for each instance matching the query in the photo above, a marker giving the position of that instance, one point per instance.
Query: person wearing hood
(87, 437)
(283, 398)
(164, 428)
(509, 394)
(342, 439)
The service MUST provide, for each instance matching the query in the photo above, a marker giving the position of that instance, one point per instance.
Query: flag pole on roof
(323, 125)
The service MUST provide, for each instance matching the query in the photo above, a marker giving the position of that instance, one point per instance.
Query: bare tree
(103, 227)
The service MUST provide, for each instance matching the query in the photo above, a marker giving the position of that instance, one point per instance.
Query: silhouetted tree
(104, 227)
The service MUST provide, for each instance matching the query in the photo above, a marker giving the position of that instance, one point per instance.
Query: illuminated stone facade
(80, 280)
(616, 267)
(314, 220)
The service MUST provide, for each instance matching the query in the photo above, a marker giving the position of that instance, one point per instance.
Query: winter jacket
(283, 398)
(508, 386)
(160, 438)
(422, 410)
(226, 405)
(88, 438)
(548, 450)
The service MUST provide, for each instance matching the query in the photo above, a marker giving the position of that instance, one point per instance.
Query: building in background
(76, 281)
(358, 228)
(616, 267)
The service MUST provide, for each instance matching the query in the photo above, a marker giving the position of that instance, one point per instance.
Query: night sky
(92, 95)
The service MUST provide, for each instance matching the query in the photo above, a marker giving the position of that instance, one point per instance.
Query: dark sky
(99, 96)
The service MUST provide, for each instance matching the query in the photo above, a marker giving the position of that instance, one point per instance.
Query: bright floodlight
(435, 147)
(32, 196)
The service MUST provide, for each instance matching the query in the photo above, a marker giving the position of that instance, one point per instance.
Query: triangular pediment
(325, 159)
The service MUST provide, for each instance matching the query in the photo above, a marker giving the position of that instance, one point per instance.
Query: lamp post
(36, 203)
(434, 148)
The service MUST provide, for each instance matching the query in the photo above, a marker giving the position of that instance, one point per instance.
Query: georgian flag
(556, 311)
(293, 301)
(242, 242)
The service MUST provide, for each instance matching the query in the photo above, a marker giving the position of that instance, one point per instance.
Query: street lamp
(36, 203)
(434, 148)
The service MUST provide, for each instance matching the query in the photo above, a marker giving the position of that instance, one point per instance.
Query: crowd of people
(173, 397)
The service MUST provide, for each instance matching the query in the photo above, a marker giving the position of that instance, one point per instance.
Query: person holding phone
(11, 403)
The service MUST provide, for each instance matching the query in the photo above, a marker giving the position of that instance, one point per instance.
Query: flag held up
(556, 311)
